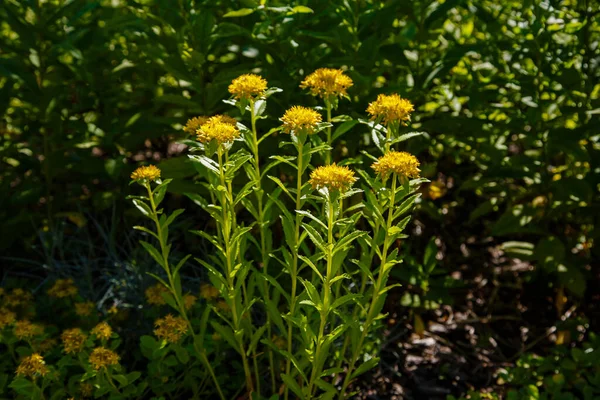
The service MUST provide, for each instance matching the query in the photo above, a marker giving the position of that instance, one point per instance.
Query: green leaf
(242, 12)
(181, 353)
(364, 367)
(292, 385)
(143, 207)
(153, 251)
(302, 10)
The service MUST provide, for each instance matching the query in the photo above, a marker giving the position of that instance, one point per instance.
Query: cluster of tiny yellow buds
(154, 294)
(73, 340)
(17, 297)
(32, 366)
(300, 119)
(63, 288)
(7, 317)
(327, 82)
(248, 86)
(170, 328)
(219, 129)
(390, 108)
(333, 177)
(193, 124)
(102, 358)
(399, 162)
(46, 345)
(26, 330)
(146, 173)
(84, 309)
(208, 292)
(86, 389)
(102, 331)
(189, 300)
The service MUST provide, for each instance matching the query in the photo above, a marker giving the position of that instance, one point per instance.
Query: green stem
(328, 152)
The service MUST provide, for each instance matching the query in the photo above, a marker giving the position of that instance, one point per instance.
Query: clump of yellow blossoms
(26, 330)
(170, 328)
(399, 162)
(32, 366)
(102, 331)
(193, 124)
(7, 317)
(154, 294)
(217, 128)
(326, 82)
(46, 345)
(73, 340)
(189, 300)
(208, 292)
(84, 309)
(333, 177)
(247, 86)
(17, 297)
(63, 288)
(150, 173)
(300, 119)
(102, 357)
(390, 108)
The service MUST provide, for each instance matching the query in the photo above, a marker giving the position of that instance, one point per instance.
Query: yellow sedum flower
(326, 82)
(391, 108)
(84, 309)
(102, 358)
(63, 288)
(7, 317)
(248, 86)
(170, 328)
(103, 331)
(208, 292)
(399, 162)
(146, 173)
(32, 366)
(73, 340)
(219, 129)
(333, 177)
(300, 119)
(17, 297)
(26, 330)
(154, 294)
(189, 300)
(193, 124)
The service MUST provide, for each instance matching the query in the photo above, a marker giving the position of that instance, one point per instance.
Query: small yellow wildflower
(102, 357)
(27, 330)
(300, 119)
(436, 190)
(46, 345)
(247, 86)
(327, 82)
(84, 309)
(170, 328)
(193, 124)
(208, 292)
(102, 331)
(391, 108)
(17, 297)
(154, 294)
(399, 162)
(63, 288)
(333, 177)
(218, 129)
(189, 300)
(32, 366)
(7, 317)
(150, 173)
(86, 389)
(73, 340)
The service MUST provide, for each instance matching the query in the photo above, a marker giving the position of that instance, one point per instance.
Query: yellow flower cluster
(63, 288)
(170, 328)
(84, 309)
(208, 292)
(218, 128)
(189, 300)
(102, 358)
(73, 340)
(193, 124)
(17, 297)
(150, 173)
(247, 86)
(333, 177)
(399, 162)
(32, 366)
(46, 345)
(300, 119)
(154, 294)
(102, 331)
(390, 108)
(27, 330)
(327, 82)
(7, 317)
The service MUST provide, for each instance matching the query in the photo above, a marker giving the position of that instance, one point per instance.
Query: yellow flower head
(32, 366)
(170, 328)
(63, 288)
(86, 389)
(73, 340)
(189, 300)
(154, 294)
(195, 123)
(300, 119)
(391, 108)
(26, 330)
(84, 309)
(102, 358)
(399, 162)
(17, 297)
(247, 86)
(102, 331)
(7, 317)
(46, 345)
(208, 292)
(150, 173)
(327, 82)
(333, 177)
(217, 128)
